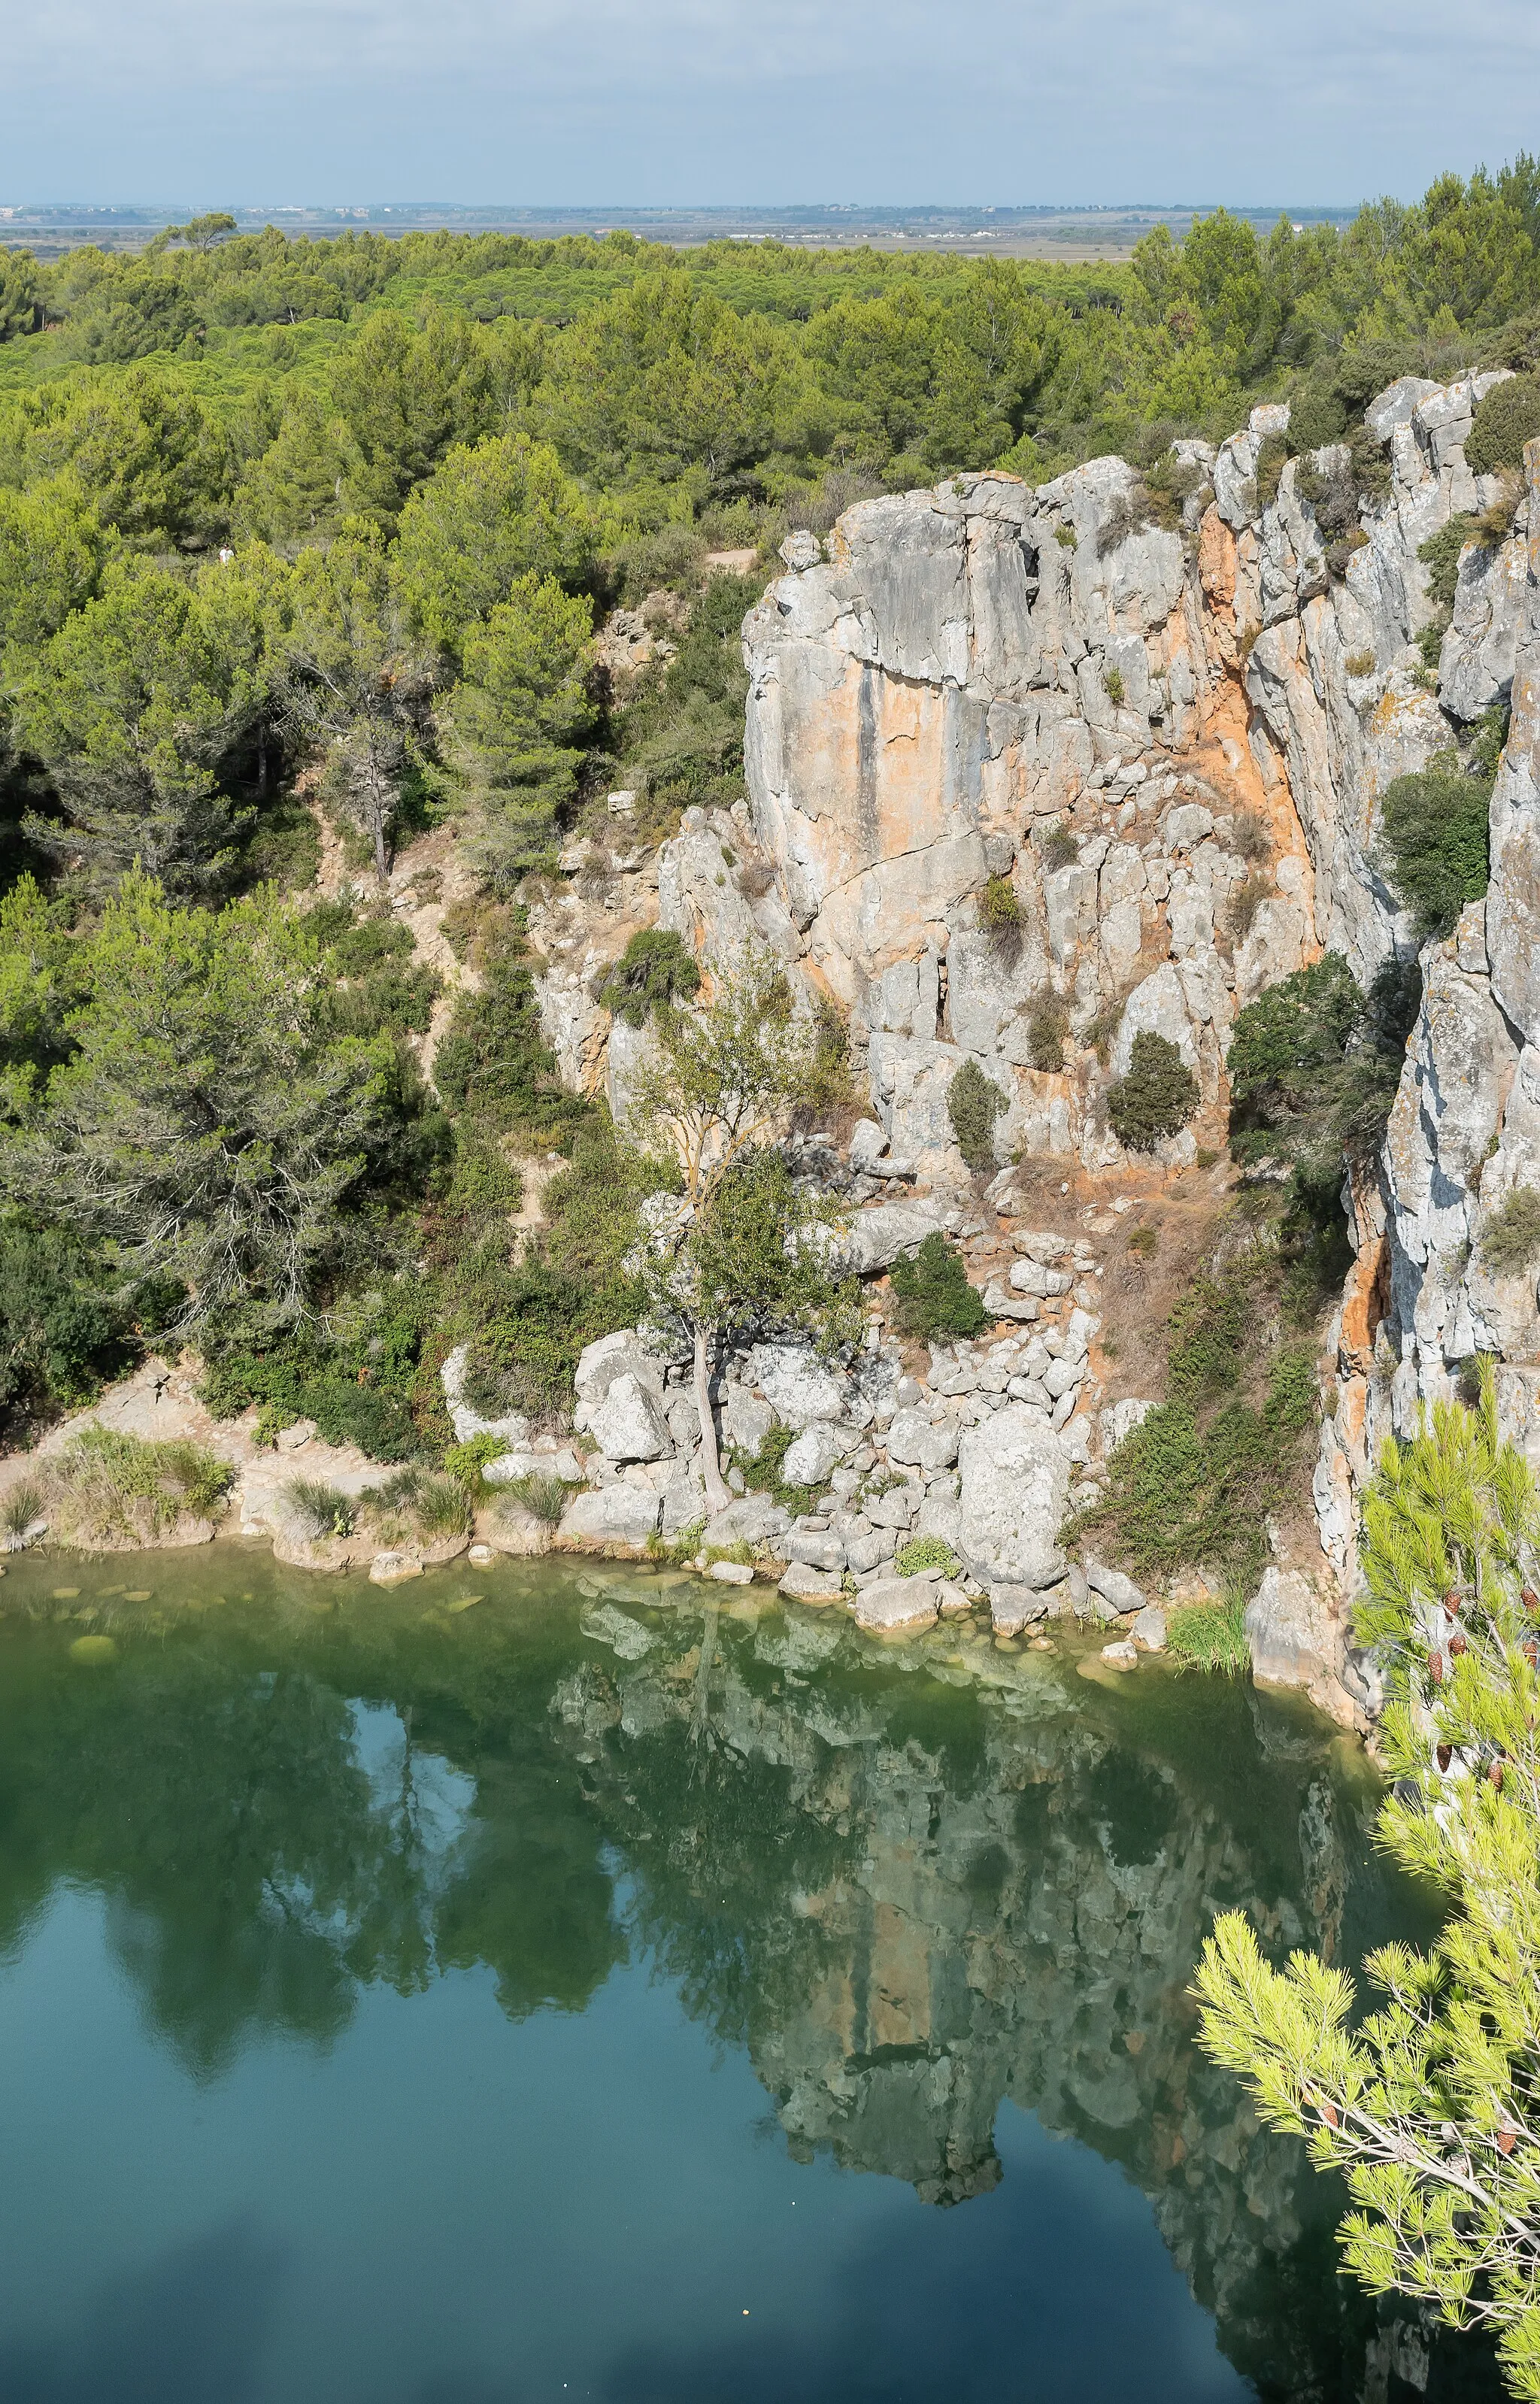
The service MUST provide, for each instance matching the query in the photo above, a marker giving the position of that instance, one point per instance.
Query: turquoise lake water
(603, 1988)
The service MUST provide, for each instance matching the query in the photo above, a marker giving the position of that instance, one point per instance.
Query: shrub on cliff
(654, 967)
(933, 1293)
(972, 1105)
(1314, 1064)
(1434, 841)
(1504, 421)
(1157, 1097)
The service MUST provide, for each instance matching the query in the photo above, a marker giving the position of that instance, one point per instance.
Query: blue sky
(600, 101)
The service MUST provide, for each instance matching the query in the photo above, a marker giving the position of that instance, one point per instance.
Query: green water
(611, 1990)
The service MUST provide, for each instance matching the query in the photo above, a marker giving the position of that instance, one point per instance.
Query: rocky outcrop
(1424, 1303)
(1029, 774)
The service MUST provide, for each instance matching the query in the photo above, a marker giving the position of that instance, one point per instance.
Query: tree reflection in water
(910, 1884)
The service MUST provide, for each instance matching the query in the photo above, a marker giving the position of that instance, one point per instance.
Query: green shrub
(1194, 1483)
(1066, 536)
(322, 1510)
(1510, 1240)
(997, 910)
(429, 1507)
(60, 1331)
(972, 1104)
(108, 1486)
(1144, 1242)
(1434, 841)
(23, 1504)
(1047, 1025)
(546, 1497)
(1210, 1636)
(1058, 847)
(1314, 1064)
(655, 966)
(763, 1472)
(922, 1553)
(1112, 680)
(494, 1062)
(932, 1296)
(1504, 421)
(1272, 457)
(1159, 1095)
(1440, 556)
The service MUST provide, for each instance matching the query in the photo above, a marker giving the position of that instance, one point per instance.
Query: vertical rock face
(1464, 1136)
(1157, 753)
(1171, 741)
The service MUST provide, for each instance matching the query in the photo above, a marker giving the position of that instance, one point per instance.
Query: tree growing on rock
(1156, 1098)
(1429, 2108)
(751, 1249)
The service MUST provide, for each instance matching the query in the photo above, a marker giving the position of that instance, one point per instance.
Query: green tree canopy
(205, 1129)
(491, 515)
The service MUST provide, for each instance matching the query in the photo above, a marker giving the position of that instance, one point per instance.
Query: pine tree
(1431, 2109)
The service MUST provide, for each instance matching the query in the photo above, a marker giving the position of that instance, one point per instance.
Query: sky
(571, 103)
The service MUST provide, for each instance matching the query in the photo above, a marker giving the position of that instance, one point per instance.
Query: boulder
(1121, 1655)
(745, 1422)
(730, 1573)
(867, 1553)
(751, 1519)
(1119, 1419)
(875, 1238)
(394, 1569)
(799, 1385)
(811, 1456)
(915, 1441)
(892, 1606)
(1149, 1629)
(627, 1422)
(1014, 1482)
(803, 1583)
(1120, 1592)
(513, 1428)
(610, 1515)
(1012, 1608)
(1293, 1637)
(519, 1533)
(620, 1355)
(818, 1551)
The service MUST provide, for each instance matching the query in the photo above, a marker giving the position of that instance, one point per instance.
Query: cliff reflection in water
(909, 1885)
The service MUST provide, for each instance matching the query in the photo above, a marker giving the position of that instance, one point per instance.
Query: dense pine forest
(305, 543)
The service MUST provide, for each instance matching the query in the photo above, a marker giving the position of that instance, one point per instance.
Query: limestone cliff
(1172, 741)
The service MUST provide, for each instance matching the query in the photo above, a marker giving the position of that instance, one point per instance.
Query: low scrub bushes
(112, 1490)
(1511, 1242)
(322, 1510)
(1504, 421)
(417, 1507)
(932, 1296)
(1194, 1483)
(923, 1553)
